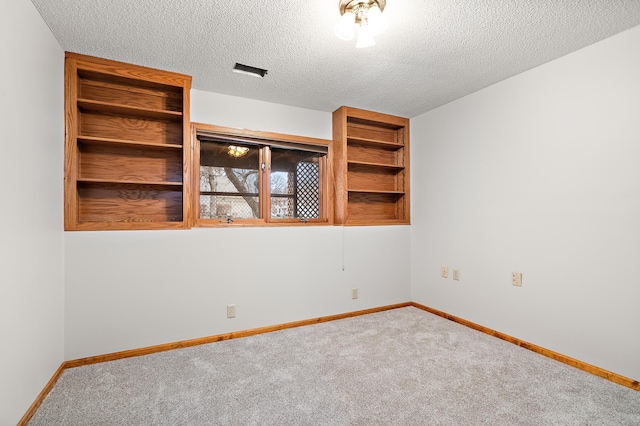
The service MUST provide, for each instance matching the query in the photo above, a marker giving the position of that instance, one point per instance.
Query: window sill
(212, 223)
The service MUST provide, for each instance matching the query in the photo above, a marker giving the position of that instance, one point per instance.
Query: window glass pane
(229, 180)
(295, 184)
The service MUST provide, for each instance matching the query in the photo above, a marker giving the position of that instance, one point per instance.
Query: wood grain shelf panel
(127, 127)
(375, 179)
(374, 143)
(129, 163)
(170, 186)
(107, 88)
(368, 206)
(375, 191)
(113, 108)
(376, 165)
(122, 142)
(374, 155)
(375, 131)
(125, 202)
(119, 225)
(356, 116)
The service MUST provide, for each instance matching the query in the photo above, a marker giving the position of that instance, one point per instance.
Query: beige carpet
(399, 367)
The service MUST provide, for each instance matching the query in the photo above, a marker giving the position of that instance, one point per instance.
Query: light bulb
(237, 151)
(365, 37)
(377, 21)
(344, 29)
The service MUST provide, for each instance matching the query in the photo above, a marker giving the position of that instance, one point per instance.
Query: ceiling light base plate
(348, 5)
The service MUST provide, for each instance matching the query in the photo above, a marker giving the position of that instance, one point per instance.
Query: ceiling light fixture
(366, 16)
(237, 151)
(248, 70)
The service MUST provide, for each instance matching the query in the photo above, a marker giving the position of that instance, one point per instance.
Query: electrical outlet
(516, 279)
(456, 274)
(231, 311)
(354, 293)
(444, 271)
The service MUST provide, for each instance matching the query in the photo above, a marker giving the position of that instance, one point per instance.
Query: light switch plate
(231, 311)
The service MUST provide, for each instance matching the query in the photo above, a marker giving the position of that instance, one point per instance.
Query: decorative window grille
(308, 190)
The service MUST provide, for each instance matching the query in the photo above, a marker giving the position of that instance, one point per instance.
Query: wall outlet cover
(516, 279)
(456, 274)
(444, 271)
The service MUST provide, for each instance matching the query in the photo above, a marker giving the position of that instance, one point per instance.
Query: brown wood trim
(376, 117)
(227, 336)
(187, 169)
(580, 365)
(185, 344)
(213, 223)
(268, 138)
(365, 222)
(339, 166)
(406, 203)
(123, 69)
(36, 404)
(70, 144)
(616, 378)
(205, 129)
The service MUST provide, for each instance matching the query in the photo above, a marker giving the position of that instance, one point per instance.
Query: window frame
(265, 141)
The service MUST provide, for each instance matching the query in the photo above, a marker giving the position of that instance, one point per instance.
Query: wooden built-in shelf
(113, 108)
(172, 186)
(375, 165)
(127, 146)
(371, 167)
(374, 143)
(375, 191)
(124, 142)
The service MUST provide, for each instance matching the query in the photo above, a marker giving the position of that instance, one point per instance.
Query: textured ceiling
(434, 51)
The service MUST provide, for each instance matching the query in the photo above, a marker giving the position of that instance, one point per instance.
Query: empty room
(341, 212)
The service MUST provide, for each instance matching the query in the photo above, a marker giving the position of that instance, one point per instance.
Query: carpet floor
(398, 367)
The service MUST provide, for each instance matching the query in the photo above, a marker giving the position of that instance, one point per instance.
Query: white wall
(539, 174)
(31, 237)
(129, 289)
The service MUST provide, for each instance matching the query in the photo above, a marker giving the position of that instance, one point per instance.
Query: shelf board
(374, 143)
(109, 107)
(125, 142)
(127, 225)
(375, 165)
(375, 191)
(376, 222)
(173, 186)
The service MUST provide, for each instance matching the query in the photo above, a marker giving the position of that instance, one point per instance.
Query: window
(256, 178)
(295, 184)
(229, 180)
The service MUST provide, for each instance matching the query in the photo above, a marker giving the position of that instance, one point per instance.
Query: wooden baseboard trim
(616, 378)
(597, 371)
(227, 336)
(34, 407)
(185, 344)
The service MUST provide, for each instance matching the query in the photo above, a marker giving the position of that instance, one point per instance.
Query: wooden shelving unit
(126, 146)
(371, 167)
